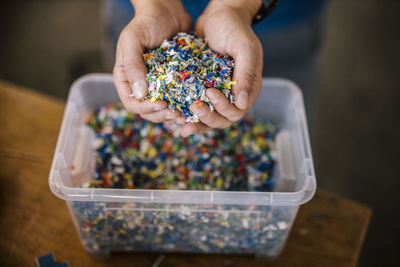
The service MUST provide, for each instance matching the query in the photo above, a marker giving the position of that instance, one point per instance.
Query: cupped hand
(154, 21)
(227, 27)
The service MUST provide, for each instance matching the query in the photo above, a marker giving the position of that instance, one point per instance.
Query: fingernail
(139, 89)
(170, 116)
(243, 100)
(213, 98)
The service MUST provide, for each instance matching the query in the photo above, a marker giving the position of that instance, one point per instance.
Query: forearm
(246, 8)
(143, 4)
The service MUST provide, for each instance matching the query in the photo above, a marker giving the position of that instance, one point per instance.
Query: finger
(132, 104)
(244, 73)
(257, 84)
(163, 115)
(132, 59)
(121, 83)
(180, 120)
(169, 124)
(194, 128)
(223, 106)
(175, 122)
(147, 107)
(208, 117)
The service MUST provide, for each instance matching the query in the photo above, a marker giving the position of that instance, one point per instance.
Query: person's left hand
(227, 27)
(154, 21)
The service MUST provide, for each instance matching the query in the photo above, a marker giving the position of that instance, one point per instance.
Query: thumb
(244, 75)
(132, 60)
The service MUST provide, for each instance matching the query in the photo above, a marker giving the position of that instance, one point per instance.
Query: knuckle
(131, 105)
(129, 108)
(247, 80)
(222, 106)
(208, 118)
(151, 118)
(225, 125)
(114, 73)
(205, 129)
(248, 77)
(236, 117)
(125, 34)
(252, 45)
(118, 69)
(130, 64)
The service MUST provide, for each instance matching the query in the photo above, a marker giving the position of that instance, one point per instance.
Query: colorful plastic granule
(134, 153)
(158, 227)
(181, 70)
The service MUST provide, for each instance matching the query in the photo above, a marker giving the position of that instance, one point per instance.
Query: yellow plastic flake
(161, 167)
(130, 116)
(233, 134)
(152, 152)
(152, 173)
(225, 223)
(246, 138)
(262, 141)
(148, 56)
(258, 128)
(219, 183)
(229, 84)
(153, 99)
(192, 45)
(256, 148)
(127, 176)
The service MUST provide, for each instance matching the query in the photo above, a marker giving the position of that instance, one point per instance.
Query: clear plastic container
(182, 220)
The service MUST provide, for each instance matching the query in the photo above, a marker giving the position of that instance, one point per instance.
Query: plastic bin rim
(69, 193)
(185, 196)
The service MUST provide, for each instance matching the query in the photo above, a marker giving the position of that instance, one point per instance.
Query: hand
(154, 21)
(227, 27)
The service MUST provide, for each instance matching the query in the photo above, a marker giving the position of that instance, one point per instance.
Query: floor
(47, 44)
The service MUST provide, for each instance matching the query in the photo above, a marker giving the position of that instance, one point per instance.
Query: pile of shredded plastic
(181, 70)
(134, 153)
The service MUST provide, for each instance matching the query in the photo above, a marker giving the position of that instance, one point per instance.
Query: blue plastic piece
(49, 261)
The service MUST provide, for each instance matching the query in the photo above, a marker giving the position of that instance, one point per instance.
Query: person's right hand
(226, 25)
(154, 21)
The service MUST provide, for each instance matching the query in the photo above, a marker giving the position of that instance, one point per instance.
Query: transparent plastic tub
(181, 220)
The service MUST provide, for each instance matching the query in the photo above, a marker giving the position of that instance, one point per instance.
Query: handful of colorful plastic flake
(181, 70)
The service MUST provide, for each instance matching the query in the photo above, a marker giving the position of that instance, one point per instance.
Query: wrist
(140, 5)
(247, 9)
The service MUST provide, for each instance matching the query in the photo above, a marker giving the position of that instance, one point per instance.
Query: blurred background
(47, 44)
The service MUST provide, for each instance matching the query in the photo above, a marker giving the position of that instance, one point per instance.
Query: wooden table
(328, 231)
